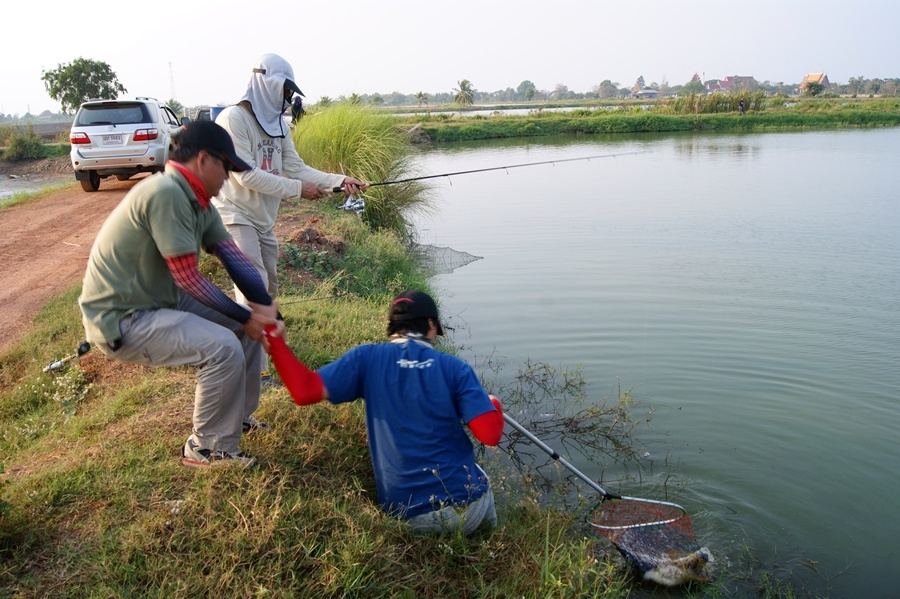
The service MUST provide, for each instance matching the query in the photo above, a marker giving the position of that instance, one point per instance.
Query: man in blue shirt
(417, 399)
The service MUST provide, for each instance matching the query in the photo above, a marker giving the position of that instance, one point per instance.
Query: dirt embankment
(44, 245)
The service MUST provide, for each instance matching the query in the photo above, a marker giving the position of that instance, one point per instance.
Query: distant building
(733, 83)
(820, 78)
(646, 94)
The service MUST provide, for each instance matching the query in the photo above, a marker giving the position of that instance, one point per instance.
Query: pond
(746, 288)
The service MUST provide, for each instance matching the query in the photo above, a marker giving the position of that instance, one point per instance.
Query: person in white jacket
(249, 201)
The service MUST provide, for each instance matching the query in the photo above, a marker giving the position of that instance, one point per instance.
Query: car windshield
(112, 114)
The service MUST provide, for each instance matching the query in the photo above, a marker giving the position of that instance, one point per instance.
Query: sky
(201, 52)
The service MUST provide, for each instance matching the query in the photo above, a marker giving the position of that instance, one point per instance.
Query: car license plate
(112, 140)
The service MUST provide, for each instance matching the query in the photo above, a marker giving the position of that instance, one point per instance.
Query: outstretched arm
(304, 385)
(242, 272)
(488, 427)
(189, 279)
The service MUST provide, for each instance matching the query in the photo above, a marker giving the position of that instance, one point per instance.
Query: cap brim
(236, 164)
(293, 87)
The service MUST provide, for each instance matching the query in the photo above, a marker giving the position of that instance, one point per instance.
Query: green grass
(27, 196)
(692, 113)
(99, 505)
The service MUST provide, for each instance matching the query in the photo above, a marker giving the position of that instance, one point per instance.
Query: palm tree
(355, 98)
(421, 98)
(325, 101)
(465, 93)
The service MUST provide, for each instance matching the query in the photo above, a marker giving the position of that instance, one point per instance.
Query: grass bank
(27, 196)
(96, 503)
(777, 114)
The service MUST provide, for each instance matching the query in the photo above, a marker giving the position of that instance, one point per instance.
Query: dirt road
(44, 245)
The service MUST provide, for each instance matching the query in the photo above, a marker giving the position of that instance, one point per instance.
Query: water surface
(746, 287)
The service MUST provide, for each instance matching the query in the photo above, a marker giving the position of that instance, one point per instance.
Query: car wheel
(92, 183)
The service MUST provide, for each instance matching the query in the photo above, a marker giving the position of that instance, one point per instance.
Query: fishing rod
(492, 168)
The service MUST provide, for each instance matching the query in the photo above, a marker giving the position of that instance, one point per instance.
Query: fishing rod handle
(552, 453)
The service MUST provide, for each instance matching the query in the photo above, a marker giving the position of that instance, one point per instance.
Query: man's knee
(227, 350)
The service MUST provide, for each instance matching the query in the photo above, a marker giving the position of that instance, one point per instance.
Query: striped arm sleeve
(242, 272)
(188, 278)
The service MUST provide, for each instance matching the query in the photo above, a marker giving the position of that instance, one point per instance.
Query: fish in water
(696, 566)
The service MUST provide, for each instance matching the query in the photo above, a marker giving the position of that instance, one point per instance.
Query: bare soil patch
(58, 166)
(44, 245)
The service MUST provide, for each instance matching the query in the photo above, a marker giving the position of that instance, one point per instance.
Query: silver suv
(120, 138)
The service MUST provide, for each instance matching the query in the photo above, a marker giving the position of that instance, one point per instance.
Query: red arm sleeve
(304, 385)
(488, 427)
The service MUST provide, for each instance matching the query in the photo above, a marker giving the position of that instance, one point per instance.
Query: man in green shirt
(143, 299)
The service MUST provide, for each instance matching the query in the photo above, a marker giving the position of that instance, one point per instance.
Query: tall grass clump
(714, 103)
(352, 139)
(24, 145)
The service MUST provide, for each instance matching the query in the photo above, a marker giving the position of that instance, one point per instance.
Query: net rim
(642, 524)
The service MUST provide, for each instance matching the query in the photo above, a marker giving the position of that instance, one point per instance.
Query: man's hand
(353, 186)
(497, 405)
(261, 317)
(311, 192)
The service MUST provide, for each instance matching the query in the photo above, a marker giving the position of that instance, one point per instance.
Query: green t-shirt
(159, 218)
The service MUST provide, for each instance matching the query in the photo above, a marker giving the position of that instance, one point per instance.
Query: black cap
(288, 84)
(412, 305)
(207, 135)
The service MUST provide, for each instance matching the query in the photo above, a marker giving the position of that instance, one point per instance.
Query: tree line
(72, 83)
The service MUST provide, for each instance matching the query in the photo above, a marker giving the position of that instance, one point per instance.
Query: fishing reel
(355, 204)
(82, 349)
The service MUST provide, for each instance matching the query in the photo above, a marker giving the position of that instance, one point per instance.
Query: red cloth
(304, 385)
(488, 427)
(194, 181)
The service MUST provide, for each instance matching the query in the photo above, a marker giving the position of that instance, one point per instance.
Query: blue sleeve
(469, 397)
(345, 376)
(242, 272)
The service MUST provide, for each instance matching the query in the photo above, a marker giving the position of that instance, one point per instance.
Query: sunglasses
(226, 164)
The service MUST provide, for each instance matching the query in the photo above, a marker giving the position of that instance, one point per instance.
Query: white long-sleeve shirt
(253, 197)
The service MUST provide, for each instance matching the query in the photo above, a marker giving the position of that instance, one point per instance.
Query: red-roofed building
(733, 83)
(820, 78)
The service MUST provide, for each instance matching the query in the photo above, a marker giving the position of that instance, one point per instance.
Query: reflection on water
(743, 286)
(10, 186)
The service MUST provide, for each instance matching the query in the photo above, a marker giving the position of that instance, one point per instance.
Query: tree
(465, 93)
(607, 89)
(560, 92)
(638, 84)
(377, 99)
(355, 98)
(176, 106)
(421, 98)
(325, 101)
(694, 86)
(82, 79)
(526, 90)
(813, 89)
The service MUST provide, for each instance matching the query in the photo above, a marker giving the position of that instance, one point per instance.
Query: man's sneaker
(194, 455)
(252, 425)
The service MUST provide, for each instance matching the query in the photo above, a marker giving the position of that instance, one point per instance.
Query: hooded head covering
(269, 92)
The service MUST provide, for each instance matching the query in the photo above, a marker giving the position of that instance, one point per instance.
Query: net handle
(552, 453)
(593, 484)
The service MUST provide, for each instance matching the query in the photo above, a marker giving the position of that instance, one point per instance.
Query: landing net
(656, 537)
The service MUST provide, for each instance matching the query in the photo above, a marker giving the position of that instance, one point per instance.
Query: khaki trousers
(227, 364)
(262, 250)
